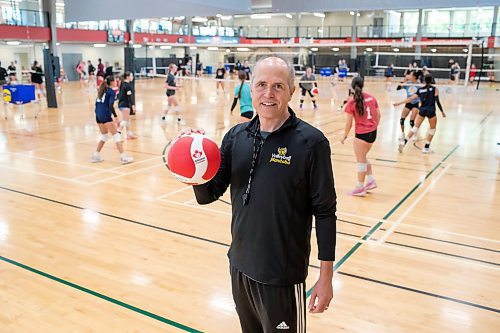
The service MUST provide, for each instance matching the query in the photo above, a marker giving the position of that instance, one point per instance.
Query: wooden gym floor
(109, 248)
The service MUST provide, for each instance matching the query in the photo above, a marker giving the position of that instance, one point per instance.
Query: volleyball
(193, 159)
(315, 91)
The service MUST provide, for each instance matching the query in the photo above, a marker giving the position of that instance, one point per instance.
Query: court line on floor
(60, 162)
(44, 174)
(212, 210)
(102, 296)
(377, 226)
(420, 250)
(125, 174)
(414, 203)
(418, 291)
(114, 170)
(173, 192)
(359, 238)
(161, 228)
(431, 238)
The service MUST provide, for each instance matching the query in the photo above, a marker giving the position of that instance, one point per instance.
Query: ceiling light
(352, 13)
(99, 45)
(243, 49)
(212, 48)
(228, 50)
(314, 49)
(319, 15)
(289, 16)
(137, 46)
(192, 47)
(219, 15)
(165, 47)
(465, 50)
(226, 18)
(335, 49)
(369, 49)
(151, 46)
(395, 49)
(199, 19)
(433, 50)
(260, 16)
(13, 42)
(358, 14)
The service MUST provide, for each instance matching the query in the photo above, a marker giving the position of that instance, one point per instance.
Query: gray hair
(291, 71)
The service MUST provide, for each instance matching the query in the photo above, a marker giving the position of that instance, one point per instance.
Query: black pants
(265, 308)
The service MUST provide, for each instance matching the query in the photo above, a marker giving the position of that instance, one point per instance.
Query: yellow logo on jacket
(281, 157)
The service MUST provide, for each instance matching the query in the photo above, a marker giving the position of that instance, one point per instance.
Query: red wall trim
(79, 35)
(24, 33)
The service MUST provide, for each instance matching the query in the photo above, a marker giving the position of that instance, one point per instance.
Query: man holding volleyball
(280, 173)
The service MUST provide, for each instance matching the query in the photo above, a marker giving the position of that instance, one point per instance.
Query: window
(410, 20)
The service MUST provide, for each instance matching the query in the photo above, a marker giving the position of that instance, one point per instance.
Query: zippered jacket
(292, 181)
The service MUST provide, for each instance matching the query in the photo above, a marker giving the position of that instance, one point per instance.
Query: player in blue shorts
(411, 87)
(103, 110)
(429, 97)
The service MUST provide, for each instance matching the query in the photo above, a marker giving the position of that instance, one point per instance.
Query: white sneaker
(401, 146)
(427, 151)
(126, 159)
(96, 158)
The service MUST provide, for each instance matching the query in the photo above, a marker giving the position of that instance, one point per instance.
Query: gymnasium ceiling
(92, 10)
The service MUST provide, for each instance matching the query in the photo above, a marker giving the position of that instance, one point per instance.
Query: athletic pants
(264, 308)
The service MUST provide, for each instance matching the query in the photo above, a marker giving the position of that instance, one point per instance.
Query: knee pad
(431, 131)
(117, 137)
(412, 123)
(362, 167)
(104, 137)
(402, 121)
(414, 129)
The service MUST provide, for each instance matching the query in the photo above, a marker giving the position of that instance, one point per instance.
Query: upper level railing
(24, 17)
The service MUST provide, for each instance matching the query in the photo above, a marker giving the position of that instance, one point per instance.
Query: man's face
(270, 88)
(308, 71)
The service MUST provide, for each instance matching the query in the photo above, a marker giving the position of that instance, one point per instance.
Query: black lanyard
(257, 147)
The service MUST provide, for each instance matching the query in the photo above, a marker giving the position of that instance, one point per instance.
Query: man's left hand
(323, 293)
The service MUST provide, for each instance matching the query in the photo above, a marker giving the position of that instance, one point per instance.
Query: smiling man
(280, 173)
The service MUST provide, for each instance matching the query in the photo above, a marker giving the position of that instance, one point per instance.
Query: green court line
(382, 221)
(104, 297)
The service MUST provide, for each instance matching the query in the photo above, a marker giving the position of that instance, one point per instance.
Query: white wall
(112, 54)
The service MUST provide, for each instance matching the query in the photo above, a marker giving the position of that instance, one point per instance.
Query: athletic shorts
(307, 90)
(368, 137)
(429, 113)
(103, 118)
(247, 114)
(170, 93)
(411, 106)
(267, 308)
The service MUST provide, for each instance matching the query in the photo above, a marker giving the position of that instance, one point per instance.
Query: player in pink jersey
(363, 108)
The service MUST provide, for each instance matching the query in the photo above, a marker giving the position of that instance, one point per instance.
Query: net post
(469, 63)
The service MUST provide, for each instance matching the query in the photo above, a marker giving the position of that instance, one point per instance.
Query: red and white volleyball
(315, 91)
(194, 159)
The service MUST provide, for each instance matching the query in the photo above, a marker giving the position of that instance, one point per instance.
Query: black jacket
(292, 181)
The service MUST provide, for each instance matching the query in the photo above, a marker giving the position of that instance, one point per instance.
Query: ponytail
(428, 80)
(357, 84)
(104, 85)
(242, 75)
